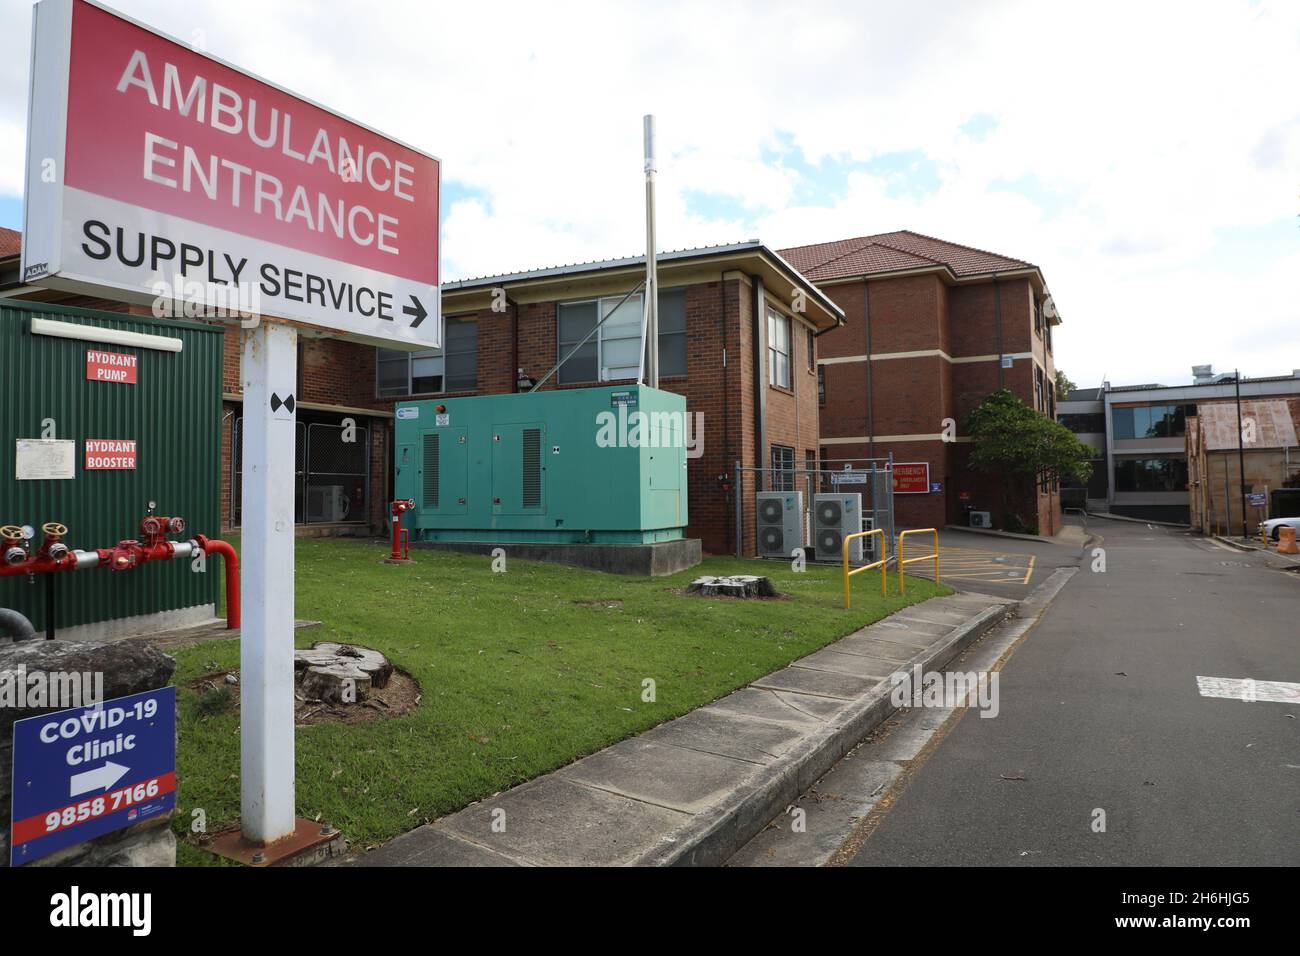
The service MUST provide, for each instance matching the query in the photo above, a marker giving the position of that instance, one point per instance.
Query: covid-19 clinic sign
(156, 172)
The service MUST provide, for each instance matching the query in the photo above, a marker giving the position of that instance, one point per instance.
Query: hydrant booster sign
(161, 174)
(81, 773)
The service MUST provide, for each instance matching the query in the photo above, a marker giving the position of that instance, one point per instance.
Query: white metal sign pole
(269, 371)
(651, 259)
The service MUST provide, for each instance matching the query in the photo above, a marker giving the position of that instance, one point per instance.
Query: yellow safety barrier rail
(866, 567)
(902, 537)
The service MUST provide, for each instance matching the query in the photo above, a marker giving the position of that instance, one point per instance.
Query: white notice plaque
(41, 459)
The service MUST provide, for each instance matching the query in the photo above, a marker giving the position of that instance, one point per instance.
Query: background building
(932, 329)
(1147, 441)
(1228, 478)
(1083, 411)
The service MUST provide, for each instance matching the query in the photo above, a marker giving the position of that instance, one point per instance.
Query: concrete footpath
(695, 790)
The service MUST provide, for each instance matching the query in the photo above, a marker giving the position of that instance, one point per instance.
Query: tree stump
(734, 585)
(340, 673)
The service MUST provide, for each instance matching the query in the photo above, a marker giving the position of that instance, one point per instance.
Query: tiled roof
(11, 242)
(894, 252)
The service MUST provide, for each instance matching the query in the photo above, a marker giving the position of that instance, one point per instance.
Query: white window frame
(440, 357)
(602, 370)
(775, 318)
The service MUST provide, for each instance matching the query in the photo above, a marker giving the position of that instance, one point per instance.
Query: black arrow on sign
(418, 311)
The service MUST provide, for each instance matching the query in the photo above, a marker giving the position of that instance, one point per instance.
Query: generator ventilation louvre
(532, 468)
(431, 470)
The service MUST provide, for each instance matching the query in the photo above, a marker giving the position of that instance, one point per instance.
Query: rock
(340, 673)
(152, 844)
(128, 667)
(734, 585)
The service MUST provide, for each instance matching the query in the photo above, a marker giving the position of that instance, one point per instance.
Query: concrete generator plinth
(645, 560)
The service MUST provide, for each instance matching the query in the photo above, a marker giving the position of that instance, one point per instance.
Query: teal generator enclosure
(603, 465)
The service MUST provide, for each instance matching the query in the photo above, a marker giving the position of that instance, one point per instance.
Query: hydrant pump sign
(110, 367)
(159, 174)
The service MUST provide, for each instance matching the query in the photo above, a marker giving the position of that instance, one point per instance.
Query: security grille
(323, 463)
(338, 472)
(237, 472)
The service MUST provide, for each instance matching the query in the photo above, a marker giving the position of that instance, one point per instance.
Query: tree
(1013, 440)
(1063, 386)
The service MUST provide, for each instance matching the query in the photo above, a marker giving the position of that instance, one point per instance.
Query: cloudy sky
(1145, 155)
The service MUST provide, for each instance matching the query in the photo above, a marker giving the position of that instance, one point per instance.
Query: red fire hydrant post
(401, 550)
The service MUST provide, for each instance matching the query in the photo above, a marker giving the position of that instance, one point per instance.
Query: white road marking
(1244, 688)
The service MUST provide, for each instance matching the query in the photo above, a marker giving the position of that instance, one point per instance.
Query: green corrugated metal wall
(174, 414)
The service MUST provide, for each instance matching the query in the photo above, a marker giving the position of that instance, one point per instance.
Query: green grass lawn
(521, 673)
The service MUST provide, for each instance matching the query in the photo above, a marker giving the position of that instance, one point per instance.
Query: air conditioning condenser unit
(835, 517)
(780, 522)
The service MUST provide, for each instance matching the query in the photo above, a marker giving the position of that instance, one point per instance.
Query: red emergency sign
(911, 478)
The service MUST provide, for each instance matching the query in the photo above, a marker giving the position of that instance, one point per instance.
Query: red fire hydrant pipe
(401, 539)
(223, 548)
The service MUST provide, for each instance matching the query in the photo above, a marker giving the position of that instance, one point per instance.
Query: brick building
(742, 336)
(931, 329)
(738, 332)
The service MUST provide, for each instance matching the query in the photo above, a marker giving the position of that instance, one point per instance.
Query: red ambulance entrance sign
(158, 173)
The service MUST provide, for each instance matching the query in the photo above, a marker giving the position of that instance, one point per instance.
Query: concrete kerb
(716, 835)
(1131, 520)
(993, 533)
(1235, 544)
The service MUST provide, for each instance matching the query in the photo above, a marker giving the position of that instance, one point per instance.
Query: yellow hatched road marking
(1030, 571)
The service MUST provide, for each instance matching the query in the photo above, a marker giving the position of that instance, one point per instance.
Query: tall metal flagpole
(1241, 456)
(651, 256)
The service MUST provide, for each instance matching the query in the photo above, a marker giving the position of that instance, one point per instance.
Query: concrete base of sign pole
(269, 372)
(310, 843)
